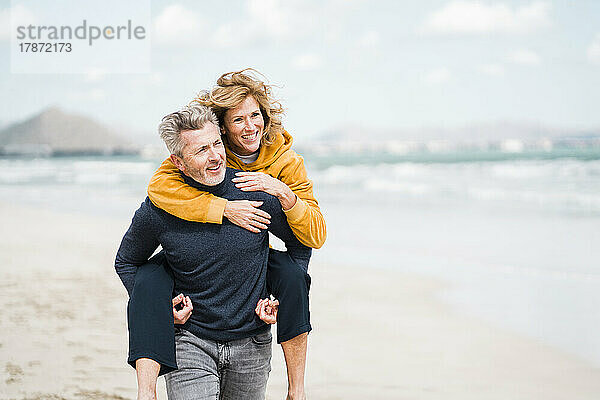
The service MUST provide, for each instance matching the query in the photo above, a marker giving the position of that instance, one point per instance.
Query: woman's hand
(253, 181)
(246, 214)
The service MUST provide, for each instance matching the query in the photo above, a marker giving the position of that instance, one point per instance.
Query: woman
(256, 143)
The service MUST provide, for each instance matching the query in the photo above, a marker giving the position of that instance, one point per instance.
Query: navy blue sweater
(222, 267)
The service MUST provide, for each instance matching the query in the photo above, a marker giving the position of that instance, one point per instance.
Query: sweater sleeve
(138, 244)
(168, 191)
(305, 217)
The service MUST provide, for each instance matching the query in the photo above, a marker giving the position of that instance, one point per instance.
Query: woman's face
(244, 126)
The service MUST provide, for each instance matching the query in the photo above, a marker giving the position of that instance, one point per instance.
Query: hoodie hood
(267, 155)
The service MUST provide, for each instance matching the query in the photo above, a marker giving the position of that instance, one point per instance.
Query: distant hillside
(476, 132)
(55, 132)
(506, 137)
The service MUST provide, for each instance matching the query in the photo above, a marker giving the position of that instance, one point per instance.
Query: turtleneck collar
(217, 190)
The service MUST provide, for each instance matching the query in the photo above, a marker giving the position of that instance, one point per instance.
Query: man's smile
(215, 168)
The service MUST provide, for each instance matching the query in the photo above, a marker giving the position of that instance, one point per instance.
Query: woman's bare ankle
(297, 394)
(145, 395)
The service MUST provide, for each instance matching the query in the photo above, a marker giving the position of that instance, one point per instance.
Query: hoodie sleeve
(168, 191)
(305, 217)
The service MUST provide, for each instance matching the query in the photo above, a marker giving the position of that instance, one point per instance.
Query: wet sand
(377, 334)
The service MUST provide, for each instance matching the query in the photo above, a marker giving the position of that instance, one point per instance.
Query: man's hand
(253, 181)
(246, 214)
(182, 312)
(266, 309)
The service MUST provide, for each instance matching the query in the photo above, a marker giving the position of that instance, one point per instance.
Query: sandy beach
(377, 334)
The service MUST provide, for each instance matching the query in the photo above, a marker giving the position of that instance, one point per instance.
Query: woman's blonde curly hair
(233, 88)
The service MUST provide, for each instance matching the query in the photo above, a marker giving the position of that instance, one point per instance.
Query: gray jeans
(232, 370)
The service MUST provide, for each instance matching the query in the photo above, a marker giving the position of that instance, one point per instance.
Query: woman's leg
(150, 323)
(147, 374)
(290, 284)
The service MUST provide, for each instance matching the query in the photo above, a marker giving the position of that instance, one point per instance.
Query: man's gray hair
(189, 118)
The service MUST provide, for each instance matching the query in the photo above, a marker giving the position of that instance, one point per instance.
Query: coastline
(377, 334)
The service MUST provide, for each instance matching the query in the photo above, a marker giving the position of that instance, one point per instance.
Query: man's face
(203, 155)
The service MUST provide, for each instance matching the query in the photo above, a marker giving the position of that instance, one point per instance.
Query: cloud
(155, 78)
(275, 18)
(88, 96)
(265, 20)
(524, 57)
(17, 15)
(233, 34)
(97, 94)
(306, 62)
(369, 39)
(95, 75)
(593, 51)
(494, 70)
(176, 25)
(438, 76)
(256, 22)
(471, 17)
(146, 80)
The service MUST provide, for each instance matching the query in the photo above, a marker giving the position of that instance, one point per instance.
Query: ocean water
(516, 236)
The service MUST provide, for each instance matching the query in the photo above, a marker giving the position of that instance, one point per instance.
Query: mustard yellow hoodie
(168, 191)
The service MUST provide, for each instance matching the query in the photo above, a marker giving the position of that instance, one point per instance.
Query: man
(224, 349)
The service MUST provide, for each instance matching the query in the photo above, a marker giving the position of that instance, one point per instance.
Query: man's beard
(201, 175)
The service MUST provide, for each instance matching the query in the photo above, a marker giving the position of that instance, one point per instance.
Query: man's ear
(178, 162)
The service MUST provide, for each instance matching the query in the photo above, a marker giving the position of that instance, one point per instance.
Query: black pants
(150, 308)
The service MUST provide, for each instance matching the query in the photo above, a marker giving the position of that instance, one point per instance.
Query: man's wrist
(287, 198)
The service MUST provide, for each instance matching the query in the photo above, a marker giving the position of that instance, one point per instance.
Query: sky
(377, 64)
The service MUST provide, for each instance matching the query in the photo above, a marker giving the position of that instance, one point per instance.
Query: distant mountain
(55, 132)
(477, 132)
(508, 137)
